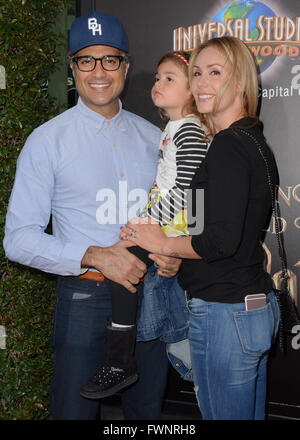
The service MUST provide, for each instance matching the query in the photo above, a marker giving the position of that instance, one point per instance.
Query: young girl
(182, 149)
(224, 265)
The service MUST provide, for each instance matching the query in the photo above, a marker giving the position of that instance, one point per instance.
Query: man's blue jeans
(229, 353)
(82, 311)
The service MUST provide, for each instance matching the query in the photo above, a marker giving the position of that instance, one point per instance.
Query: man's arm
(29, 212)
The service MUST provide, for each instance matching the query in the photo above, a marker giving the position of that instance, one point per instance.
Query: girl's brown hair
(181, 59)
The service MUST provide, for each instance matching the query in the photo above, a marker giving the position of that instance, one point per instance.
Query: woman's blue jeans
(229, 353)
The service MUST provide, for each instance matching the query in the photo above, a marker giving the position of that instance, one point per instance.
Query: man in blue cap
(87, 168)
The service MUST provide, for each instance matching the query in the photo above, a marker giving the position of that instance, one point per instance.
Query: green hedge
(29, 48)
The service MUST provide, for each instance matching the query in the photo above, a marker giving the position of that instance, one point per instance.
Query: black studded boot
(119, 369)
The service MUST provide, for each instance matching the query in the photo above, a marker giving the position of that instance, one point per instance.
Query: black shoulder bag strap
(288, 313)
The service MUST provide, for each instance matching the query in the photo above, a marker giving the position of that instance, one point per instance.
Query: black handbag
(288, 312)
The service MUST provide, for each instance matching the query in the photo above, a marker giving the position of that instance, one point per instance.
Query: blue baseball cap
(97, 28)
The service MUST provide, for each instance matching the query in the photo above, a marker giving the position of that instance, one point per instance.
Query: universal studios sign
(268, 35)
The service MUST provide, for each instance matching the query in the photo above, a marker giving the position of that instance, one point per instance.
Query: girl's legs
(124, 303)
(119, 368)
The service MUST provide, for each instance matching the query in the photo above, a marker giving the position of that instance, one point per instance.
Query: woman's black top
(237, 209)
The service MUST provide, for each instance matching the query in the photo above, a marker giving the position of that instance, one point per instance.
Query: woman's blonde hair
(243, 72)
(181, 59)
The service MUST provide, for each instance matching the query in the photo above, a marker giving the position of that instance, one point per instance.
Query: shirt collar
(95, 117)
(246, 122)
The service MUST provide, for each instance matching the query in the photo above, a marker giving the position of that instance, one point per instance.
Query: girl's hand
(168, 266)
(146, 233)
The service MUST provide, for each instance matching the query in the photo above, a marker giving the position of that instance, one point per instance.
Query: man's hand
(116, 263)
(168, 266)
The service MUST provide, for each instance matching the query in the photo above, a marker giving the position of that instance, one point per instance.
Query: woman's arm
(180, 247)
(149, 235)
(226, 199)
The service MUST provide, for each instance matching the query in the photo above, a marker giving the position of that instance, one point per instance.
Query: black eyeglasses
(88, 63)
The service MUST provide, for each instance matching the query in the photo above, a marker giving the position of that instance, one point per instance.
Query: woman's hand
(146, 233)
(168, 266)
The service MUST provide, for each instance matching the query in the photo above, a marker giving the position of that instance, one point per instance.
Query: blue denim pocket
(71, 289)
(255, 329)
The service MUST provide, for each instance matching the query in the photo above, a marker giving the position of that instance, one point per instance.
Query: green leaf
(29, 49)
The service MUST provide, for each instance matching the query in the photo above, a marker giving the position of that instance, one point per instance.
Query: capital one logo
(94, 26)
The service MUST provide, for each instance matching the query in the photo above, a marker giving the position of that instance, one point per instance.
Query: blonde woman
(230, 334)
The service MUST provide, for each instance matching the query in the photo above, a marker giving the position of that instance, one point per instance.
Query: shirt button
(114, 145)
(108, 123)
(122, 174)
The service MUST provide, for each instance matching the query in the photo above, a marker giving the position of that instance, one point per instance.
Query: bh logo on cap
(94, 29)
(94, 26)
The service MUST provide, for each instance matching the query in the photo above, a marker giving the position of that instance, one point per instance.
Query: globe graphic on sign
(250, 9)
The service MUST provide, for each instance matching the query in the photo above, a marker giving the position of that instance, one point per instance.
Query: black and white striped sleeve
(191, 151)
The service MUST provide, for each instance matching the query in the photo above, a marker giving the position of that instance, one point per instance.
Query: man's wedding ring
(132, 233)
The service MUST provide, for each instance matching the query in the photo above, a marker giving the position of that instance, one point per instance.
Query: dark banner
(271, 28)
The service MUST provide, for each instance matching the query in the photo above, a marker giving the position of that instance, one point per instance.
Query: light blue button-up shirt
(91, 174)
